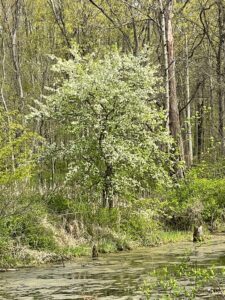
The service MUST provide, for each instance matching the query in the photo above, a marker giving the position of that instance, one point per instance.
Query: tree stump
(198, 234)
(94, 251)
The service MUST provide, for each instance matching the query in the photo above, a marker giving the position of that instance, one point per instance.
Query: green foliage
(195, 200)
(7, 259)
(88, 213)
(28, 228)
(166, 237)
(183, 281)
(116, 131)
(24, 227)
(60, 204)
(17, 145)
(39, 237)
(209, 169)
(104, 121)
(106, 246)
(81, 250)
(140, 221)
(105, 217)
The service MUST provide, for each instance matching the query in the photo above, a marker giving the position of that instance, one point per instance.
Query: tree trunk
(219, 72)
(57, 9)
(15, 54)
(107, 193)
(166, 64)
(189, 129)
(211, 87)
(200, 129)
(174, 119)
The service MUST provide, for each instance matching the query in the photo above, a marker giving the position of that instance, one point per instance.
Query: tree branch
(113, 22)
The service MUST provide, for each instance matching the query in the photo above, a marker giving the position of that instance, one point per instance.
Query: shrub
(195, 200)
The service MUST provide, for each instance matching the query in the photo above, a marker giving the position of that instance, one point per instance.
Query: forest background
(112, 124)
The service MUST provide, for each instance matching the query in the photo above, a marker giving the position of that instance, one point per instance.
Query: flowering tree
(117, 135)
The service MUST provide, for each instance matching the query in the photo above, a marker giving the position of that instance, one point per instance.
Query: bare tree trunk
(5, 105)
(200, 129)
(211, 97)
(57, 9)
(219, 72)
(189, 129)
(15, 54)
(166, 64)
(11, 22)
(174, 119)
(135, 33)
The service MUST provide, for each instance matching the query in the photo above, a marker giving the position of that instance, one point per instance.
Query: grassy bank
(43, 228)
(57, 229)
(23, 255)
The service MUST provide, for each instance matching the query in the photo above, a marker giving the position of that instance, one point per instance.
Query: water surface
(114, 276)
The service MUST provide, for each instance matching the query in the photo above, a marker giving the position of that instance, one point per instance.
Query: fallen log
(8, 270)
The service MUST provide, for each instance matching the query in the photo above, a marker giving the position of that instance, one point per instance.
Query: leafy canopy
(116, 131)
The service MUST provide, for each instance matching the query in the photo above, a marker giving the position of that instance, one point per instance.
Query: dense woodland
(112, 121)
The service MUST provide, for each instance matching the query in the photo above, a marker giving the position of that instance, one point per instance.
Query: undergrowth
(58, 224)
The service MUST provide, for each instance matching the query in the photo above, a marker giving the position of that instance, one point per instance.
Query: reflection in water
(116, 276)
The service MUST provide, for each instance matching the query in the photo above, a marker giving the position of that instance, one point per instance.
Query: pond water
(114, 276)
